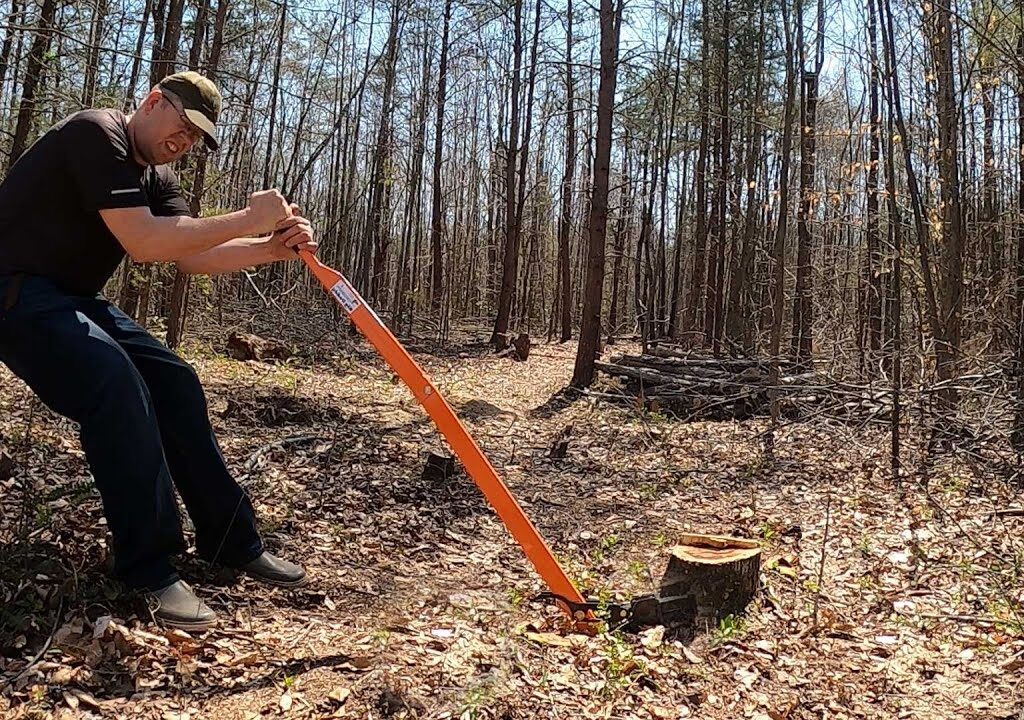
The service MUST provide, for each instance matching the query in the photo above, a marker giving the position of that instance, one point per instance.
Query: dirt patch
(276, 408)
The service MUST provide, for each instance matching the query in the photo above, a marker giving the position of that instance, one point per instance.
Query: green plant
(43, 515)
(516, 597)
(648, 491)
(640, 570)
(621, 666)
(729, 627)
(656, 417)
(477, 698)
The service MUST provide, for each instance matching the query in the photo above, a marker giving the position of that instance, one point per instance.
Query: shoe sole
(187, 624)
(303, 581)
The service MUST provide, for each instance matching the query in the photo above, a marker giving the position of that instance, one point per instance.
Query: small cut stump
(246, 346)
(439, 469)
(719, 573)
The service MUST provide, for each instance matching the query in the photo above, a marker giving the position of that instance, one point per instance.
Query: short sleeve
(166, 199)
(101, 166)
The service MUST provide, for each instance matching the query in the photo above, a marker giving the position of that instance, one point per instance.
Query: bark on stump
(518, 349)
(721, 574)
(6, 465)
(439, 469)
(522, 346)
(245, 346)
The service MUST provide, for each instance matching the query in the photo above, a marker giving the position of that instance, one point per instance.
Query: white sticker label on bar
(345, 295)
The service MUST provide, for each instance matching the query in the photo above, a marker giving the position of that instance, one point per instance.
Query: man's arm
(148, 238)
(228, 257)
(291, 234)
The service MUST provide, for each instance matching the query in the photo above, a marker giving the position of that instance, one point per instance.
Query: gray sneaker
(275, 571)
(177, 606)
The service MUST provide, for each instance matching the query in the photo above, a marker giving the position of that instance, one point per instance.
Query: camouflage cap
(200, 99)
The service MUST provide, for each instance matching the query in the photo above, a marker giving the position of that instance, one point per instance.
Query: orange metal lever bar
(475, 462)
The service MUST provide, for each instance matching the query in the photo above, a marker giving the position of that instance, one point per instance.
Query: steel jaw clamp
(641, 612)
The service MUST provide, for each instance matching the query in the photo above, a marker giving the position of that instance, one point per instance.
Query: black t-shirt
(49, 202)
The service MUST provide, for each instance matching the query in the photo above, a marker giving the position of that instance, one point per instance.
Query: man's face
(166, 133)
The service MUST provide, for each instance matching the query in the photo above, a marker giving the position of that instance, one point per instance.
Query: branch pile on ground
(699, 386)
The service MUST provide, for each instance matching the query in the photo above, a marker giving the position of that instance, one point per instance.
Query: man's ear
(151, 100)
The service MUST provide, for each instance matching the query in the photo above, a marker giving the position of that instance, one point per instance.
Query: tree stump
(721, 574)
(439, 469)
(6, 465)
(245, 346)
(560, 446)
(522, 346)
(518, 349)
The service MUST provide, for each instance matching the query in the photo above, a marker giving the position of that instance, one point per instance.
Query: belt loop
(11, 297)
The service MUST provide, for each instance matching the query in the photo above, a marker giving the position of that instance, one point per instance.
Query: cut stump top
(714, 549)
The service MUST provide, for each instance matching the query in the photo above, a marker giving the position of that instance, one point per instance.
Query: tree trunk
(873, 286)
(377, 226)
(5, 52)
(274, 91)
(621, 226)
(510, 261)
(723, 186)
(896, 239)
(778, 283)
(177, 314)
(161, 67)
(665, 319)
(991, 237)
(165, 60)
(33, 73)
(913, 189)
(1017, 435)
(803, 302)
(737, 313)
(99, 11)
(713, 576)
(129, 96)
(405, 279)
(590, 329)
(645, 289)
(436, 283)
(565, 220)
(939, 32)
(677, 270)
(693, 320)
(525, 148)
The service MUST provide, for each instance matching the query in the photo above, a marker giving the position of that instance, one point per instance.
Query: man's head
(179, 112)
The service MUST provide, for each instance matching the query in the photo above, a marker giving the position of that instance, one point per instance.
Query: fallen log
(663, 350)
(653, 377)
(679, 367)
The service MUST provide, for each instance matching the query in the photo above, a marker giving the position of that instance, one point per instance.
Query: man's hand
(266, 209)
(292, 233)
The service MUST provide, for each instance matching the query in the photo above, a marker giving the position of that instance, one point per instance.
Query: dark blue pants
(144, 428)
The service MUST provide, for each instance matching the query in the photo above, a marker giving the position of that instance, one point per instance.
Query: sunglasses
(194, 134)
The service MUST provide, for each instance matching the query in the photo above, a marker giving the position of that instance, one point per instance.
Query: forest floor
(875, 602)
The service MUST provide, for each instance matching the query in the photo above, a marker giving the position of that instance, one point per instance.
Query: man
(96, 186)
